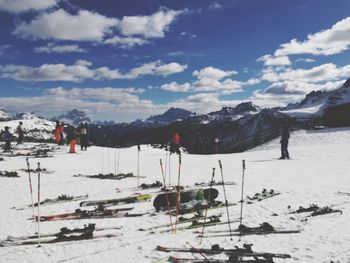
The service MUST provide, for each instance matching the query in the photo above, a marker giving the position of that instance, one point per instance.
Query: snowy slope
(4, 115)
(318, 169)
(34, 126)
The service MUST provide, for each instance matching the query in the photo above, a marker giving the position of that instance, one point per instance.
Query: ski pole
(138, 165)
(118, 161)
(178, 193)
(115, 160)
(31, 192)
(206, 209)
(241, 215)
(226, 203)
(169, 173)
(166, 195)
(166, 164)
(39, 219)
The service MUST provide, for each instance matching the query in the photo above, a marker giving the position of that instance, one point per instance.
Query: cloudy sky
(123, 60)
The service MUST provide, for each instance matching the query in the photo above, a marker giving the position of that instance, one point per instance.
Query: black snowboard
(160, 202)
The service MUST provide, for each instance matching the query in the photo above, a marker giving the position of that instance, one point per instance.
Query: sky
(123, 60)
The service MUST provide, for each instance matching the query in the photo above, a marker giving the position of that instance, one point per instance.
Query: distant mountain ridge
(73, 117)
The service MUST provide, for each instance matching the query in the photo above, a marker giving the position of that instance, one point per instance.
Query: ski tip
(161, 248)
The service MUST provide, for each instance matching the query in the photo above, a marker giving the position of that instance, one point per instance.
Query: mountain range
(237, 128)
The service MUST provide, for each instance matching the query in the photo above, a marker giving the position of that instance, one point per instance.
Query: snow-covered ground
(318, 169)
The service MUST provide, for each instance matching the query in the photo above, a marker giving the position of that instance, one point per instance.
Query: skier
(7, 136)
(73, 139)
(20, 132)
(59, 133)
(175, 144)
(84, 140)
(284, 143)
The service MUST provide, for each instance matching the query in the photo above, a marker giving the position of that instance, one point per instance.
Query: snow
(306, 111)
(318, 169)
(33, 126)
(4, 115)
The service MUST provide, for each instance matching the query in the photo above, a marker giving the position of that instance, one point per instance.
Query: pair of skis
(94, 214)
(60, 199)
(236, 252)
(110, 176)
(64, 235)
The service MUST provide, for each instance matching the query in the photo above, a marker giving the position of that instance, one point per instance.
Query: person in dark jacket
(84, 140)
(175, 144)
(7, 136)
(20, 132)
(284, 143)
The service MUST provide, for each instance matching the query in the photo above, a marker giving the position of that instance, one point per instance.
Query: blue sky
(123, 60)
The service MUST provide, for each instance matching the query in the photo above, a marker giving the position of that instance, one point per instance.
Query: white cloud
(211, 80)
(81, 71)
(275, 61)
(108, 99)
(203, 102)
(126, 42)
(215, 6)
(20, 6)
(326, 42)
(156, 68)
(283, 93)
(153, 26)
(325, 72)
(213, 73)
(175, 87)
(60, 25)
(52, 48)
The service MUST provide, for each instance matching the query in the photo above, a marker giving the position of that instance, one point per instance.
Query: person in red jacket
(175, 144)
(57, 132)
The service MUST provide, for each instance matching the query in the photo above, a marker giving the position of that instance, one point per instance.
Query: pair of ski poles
(37, 229)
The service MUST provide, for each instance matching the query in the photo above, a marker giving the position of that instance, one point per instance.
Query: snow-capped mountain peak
(73, 117)
(171, 115)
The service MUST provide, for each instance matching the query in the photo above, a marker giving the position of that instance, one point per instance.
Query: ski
(229, 260)
(60, 199)
(62, 230)
(213, 221)
(110, 176)
(324, 211)
(57, 239)
(261, 196)
(215, 183)
(246, 251)
(94, 214)
(117, 201)
(8, 174)
(192, 207)
(255, 233)
(182, 220)
(42, 171)
(301, 209)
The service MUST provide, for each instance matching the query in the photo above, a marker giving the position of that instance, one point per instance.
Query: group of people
(7, 136)
(175, 143)
(73, 134)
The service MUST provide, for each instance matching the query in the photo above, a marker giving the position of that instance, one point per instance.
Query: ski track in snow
(318, 169)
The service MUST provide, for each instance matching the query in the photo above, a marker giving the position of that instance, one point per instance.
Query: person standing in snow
(284, 143)
(84, 140)
(73, 139)
(20, 132)
(175, 144)
(59, 133)
(7, 136)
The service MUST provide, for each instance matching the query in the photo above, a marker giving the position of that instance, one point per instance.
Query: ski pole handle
(220, 164)
(243, 164)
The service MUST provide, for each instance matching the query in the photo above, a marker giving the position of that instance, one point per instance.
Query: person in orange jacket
(73, 139)
(175, 144)
(57, 132)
